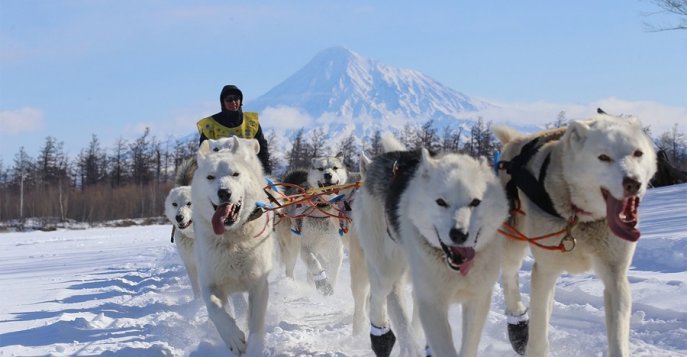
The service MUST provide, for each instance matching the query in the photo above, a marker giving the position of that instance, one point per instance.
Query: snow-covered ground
(124, 292)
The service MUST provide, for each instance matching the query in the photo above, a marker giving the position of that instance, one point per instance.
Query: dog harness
(524, 180)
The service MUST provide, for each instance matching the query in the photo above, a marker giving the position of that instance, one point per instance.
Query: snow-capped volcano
(342, 83)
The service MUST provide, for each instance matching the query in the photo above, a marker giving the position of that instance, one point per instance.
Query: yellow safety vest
(214, 130)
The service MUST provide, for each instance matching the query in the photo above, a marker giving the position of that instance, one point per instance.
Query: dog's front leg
(257, 306)
(474, 316)
(215, 301)
(618, 306)
(541, 304)
(360, 284)
(434, 319)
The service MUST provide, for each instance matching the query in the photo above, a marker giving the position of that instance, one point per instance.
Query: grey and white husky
(434, 217)
(321, 233)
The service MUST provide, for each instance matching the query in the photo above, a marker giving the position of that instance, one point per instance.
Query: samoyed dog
(320, 234)
(179, 211)
(436, 216)
(574, 195)
(234, 242)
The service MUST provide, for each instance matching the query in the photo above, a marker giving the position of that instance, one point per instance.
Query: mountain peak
(341, 82)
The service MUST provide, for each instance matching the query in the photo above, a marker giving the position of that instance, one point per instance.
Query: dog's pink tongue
(468, 255)
(221, 214)
(622, 217)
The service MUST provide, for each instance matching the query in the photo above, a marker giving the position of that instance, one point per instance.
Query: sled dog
(320, 234)
(178, 210)
(234, 243)
(578, 188)
(316, 232)
(441, 212)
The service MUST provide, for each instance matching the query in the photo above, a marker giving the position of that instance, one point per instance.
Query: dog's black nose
(179, 218)
(631, 186)
(328, 176)
(224, 195)
(457, 235)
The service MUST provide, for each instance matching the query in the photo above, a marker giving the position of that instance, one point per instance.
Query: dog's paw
(382, 344)
(518, 335)
(324, 287)
(236, 343)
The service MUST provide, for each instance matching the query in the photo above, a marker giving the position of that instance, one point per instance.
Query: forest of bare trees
(131, 178)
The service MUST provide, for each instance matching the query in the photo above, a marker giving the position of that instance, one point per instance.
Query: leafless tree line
(132, 178)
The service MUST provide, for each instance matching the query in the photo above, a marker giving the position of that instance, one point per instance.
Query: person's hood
(229, 89)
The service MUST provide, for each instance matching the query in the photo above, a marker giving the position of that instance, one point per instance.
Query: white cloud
(21, 120)
(660, 117)
(283, 117)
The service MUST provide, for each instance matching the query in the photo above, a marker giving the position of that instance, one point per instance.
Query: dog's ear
(254, 144)
(363, 163)
(204, 149)
(575, 134)
(235, 144)
(425, 162)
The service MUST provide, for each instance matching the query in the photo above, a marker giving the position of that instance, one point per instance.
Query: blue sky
(70, 69)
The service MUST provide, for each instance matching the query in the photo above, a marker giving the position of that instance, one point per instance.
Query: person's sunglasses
(231, 98)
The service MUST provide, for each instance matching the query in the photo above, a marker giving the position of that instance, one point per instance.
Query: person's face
(232, 102)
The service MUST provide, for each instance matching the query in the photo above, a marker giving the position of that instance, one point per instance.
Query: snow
(124, 292)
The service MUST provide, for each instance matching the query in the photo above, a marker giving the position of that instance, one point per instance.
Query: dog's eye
(320, 168)
(441, 202)
(235, 174)
(638, 153)
(174, 204)
(188, 204)
(215, 149)
(210, 177)
(475, 202)
(605, 158)
(335, 168)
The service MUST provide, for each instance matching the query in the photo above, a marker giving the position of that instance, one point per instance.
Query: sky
(124, 292)
(71, 69)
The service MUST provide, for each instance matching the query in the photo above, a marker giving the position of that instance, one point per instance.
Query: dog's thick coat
(233, 243)
(437, 217)
(595, 172)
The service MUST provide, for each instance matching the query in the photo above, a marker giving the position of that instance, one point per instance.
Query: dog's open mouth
(621, 215)
(185, 224)
(226, 214)
(459, 258)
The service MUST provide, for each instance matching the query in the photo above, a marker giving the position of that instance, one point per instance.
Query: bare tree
(560, 122)
(676, 8)
(349, 149)
(450, 140)
(427, 136)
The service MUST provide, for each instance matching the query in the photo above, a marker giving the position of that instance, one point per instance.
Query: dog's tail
(185, 172)
(505, 134)
(390, 143)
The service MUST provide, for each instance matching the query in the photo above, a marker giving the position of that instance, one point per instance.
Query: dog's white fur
(320, 245)
(179, 211)
(602, 153)
(232, 257)
(448, 194)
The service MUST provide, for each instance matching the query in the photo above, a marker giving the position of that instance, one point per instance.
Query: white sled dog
(321, 233)
(579, 189)
(178, 210)
(233, 238)
(442, 213)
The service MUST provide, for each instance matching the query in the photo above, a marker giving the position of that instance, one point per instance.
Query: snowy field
(123, 292)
